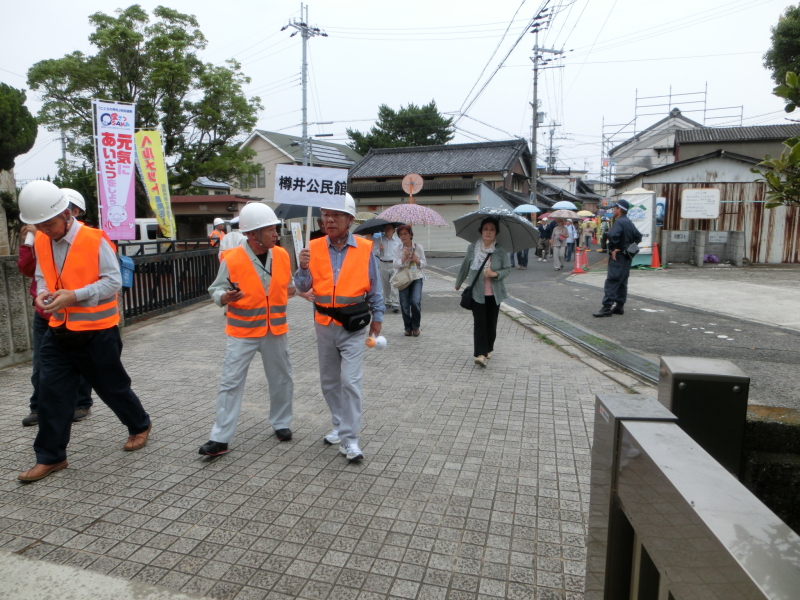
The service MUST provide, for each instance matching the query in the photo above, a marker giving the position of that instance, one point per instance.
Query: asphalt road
(768, 354)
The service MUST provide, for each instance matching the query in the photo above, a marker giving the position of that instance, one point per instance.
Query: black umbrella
(515, 233)
(375, 225)
(294, 211)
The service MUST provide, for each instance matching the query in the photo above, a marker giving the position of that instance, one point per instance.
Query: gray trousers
(239, 353)
(341, 358)
(390, 295)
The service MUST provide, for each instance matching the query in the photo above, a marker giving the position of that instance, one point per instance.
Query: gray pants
(390, 295)
(341, 358)
(559, 253)
(239, 353)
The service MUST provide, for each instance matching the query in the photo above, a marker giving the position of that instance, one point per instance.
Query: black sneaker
(211, 448)
(604, 312)
(284, 435)
(31, 419)
(618, 309)
(81, 414)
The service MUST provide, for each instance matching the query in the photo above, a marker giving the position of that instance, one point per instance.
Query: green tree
(199, 107)
(782, 174)
(410, 126)
(784, 55)
(80, 178)
(17, 126)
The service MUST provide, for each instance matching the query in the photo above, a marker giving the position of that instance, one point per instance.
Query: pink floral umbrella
(413, 214)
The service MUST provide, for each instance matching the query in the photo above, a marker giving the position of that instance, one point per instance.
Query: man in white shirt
(383, 247)
(233, 239)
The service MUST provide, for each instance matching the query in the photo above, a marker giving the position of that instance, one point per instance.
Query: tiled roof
(689, 161)
(368, 187)
(737, 134)
(322, 153)
(486, 157)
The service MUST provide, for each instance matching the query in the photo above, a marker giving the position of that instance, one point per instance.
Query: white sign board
(297, 238)
(717, 237)
(642, 214)
(679, 237)
(700, 204)
(310, 186)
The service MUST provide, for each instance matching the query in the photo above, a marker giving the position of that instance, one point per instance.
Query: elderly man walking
(77, 281)
(384, 248)
(343, 275)
(623, 233)
(254, 283)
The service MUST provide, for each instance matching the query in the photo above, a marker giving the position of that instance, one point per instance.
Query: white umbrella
(566, 204)
(524, 209)
(515, 234)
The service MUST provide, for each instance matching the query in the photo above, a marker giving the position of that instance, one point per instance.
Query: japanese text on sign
(700, 203)
(310, 186)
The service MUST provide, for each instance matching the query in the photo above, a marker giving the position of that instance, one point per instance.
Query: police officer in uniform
(260, 274)
(623, 233)
(341, 270)
(77, 279)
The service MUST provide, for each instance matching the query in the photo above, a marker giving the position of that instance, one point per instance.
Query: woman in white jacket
(410, 255)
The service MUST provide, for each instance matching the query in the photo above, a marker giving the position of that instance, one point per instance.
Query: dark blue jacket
(623, 233)
(548, 231)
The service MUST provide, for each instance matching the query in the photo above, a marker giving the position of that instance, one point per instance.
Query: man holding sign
(343, 275)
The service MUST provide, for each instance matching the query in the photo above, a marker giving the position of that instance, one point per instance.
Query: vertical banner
(114, 153)
(297, 238)
(642, 214)
(150, 159)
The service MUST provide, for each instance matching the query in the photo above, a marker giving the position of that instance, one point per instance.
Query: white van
(147, 230)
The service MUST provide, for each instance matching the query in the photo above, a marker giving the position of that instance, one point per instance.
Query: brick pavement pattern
(476, 482)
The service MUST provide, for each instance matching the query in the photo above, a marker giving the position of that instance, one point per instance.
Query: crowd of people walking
(351, 281)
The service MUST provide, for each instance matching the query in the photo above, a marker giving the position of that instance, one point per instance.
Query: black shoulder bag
(352, 317)
(466, 295)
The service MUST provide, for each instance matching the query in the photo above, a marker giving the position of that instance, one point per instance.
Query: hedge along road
(683, 311)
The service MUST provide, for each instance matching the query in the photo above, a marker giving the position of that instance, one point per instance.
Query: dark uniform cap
(623, 204)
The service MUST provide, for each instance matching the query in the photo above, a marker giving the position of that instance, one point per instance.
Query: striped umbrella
(413, 214)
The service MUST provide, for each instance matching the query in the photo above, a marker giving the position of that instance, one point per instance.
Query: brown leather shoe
(41, 471)
(138, 441)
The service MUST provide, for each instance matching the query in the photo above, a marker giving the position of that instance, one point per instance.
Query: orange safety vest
(81, 268)
(216, 237)
(353, 282)
(247, 317)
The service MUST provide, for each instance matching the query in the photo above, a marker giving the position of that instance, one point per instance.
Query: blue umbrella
(564, 204)
(526, 209)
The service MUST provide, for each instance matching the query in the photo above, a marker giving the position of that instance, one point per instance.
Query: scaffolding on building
(615, 134)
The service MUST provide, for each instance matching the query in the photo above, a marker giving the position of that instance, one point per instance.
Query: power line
(593, 44)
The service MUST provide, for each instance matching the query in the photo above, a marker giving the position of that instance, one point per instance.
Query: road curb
(631, 383)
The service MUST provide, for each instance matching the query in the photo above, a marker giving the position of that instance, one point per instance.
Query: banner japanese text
(113, 131)
(150, 158)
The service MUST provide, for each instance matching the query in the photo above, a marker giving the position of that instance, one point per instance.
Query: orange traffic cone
(579, 261)
(655, 262)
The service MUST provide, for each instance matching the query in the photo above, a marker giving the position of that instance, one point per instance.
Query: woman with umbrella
(410, 256)
(485, 265)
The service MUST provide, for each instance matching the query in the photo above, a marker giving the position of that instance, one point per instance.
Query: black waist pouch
(353, 317)
(71, 340)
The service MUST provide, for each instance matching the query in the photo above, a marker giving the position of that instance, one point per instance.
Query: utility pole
(306, 32)
(539, 24)
(64, 147)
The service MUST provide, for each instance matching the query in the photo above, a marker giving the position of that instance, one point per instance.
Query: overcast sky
(417, 50)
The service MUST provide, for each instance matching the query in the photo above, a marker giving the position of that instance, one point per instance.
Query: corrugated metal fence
(773, 235)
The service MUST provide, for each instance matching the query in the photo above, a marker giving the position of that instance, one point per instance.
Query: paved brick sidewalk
(475, 483)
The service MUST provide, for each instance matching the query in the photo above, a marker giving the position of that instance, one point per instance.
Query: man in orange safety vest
(254, 283)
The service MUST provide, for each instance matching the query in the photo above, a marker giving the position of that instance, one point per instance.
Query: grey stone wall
(16, 313)
(698, 245)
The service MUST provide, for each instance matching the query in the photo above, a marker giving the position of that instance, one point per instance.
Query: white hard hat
(40, 201)
(75, 197)
(218, 221)
(256, 215)
(235, 221)
(349, 206)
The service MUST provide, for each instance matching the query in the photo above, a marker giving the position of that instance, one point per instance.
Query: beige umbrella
(363, 216)
(563, 214)
(585, 213)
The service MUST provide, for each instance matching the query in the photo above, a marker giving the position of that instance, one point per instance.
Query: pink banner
(115, 154)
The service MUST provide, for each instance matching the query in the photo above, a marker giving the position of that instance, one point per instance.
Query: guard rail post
(709, 397)
(609, 555)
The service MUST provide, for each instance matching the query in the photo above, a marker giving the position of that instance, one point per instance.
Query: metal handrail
(161, 246)
(668, 521)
